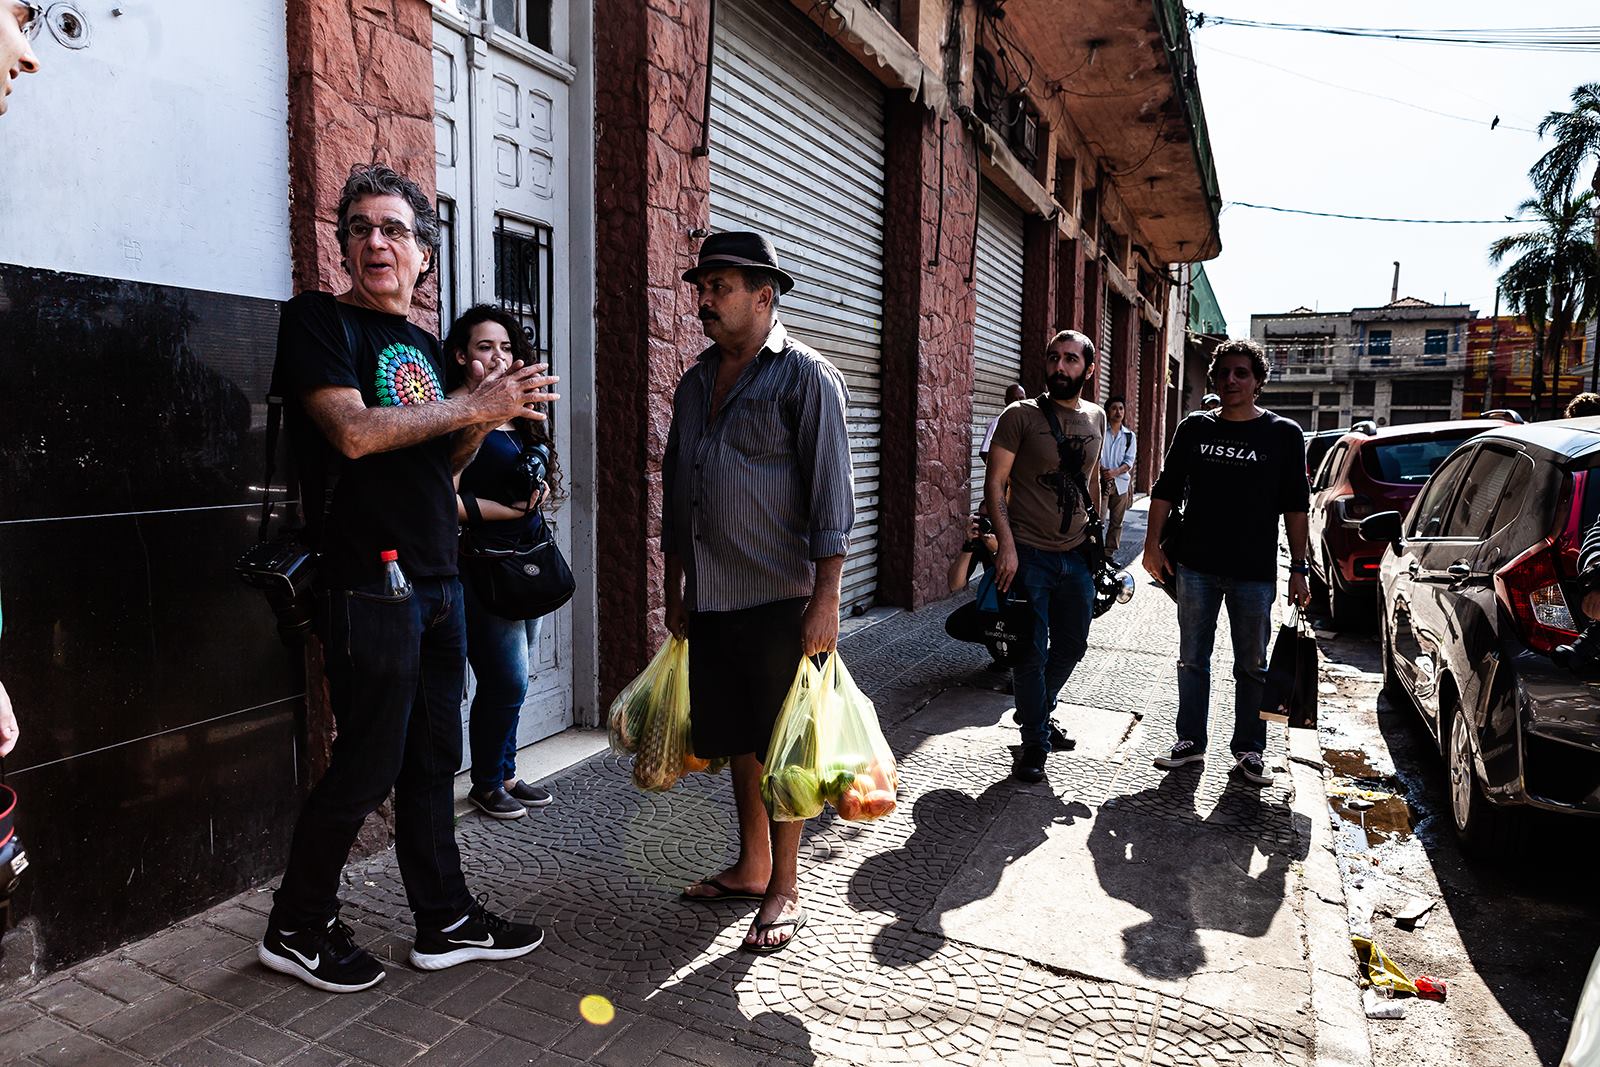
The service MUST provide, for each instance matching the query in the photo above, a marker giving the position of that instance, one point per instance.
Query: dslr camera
(283, 569)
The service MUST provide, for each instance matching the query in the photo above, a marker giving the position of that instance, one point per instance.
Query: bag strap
(1048, 408)
(474, 512)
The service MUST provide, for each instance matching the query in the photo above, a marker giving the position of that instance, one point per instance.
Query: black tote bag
(1290, 696)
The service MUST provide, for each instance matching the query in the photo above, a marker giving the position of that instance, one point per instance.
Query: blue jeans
(1061, 594)
(396, 667)
(499, 651)
(1200, 597)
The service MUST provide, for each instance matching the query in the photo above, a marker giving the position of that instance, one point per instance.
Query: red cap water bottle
(395, 583)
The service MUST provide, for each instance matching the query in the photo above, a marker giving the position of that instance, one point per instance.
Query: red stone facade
(927, 350)
(360, 90)
(651, 192)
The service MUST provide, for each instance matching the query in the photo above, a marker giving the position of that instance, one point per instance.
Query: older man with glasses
(16, 49)
(365, 386)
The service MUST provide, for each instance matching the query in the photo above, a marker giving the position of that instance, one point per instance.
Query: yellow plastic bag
(789, 782)
(650, 718)
(856, 764)
(827, 747)
(1378, 969)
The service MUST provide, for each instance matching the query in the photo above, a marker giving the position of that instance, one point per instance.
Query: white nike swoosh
(485, 943)
(310, 961)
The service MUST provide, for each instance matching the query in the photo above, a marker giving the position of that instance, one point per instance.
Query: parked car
(1478, 588)
(1318, 442)
(1369, 470)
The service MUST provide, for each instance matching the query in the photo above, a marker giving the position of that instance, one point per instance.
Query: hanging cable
(1507, 221)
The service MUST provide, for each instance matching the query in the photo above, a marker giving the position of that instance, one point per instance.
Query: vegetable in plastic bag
(650, 718)
(827, 747)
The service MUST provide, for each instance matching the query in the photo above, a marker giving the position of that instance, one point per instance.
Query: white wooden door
(506, 183)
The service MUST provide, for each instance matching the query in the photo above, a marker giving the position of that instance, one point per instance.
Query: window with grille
(524, 283)
(1436, 342)
(1378, 343)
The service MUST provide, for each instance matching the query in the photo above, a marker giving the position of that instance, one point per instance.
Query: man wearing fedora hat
(757, 505)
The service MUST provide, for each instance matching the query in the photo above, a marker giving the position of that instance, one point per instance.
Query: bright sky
(1281, 139)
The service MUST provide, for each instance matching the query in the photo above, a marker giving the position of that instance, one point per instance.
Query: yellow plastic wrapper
(650, 718)
(827, 747)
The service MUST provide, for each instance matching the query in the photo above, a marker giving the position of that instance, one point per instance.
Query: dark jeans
(499, 651)
(396, 668)
(1200, 597)
(1061, 594)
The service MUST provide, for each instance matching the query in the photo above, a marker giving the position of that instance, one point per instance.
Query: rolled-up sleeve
(823, 436)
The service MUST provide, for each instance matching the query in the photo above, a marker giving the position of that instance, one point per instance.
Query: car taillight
(1530, 588)
(1354, 508)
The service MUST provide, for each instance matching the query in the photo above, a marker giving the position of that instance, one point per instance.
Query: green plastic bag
(827, 747)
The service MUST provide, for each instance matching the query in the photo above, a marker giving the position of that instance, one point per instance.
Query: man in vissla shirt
(1234, 472)
(1044, 472)
(369, 382)
(758, 505)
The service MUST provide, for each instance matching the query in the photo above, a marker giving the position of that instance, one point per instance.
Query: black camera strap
(275, 404)
(1093, 533)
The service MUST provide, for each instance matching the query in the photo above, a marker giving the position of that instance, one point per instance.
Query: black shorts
(741, 664)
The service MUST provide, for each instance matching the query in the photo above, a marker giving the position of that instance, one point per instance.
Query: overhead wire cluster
(1581, 39)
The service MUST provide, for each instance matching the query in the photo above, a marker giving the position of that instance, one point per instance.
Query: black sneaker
(326, 959)
(496, 803)
(483, 936)
(1251, 768)
(1060, 742)
(530, 795)
(1029, 766)
(1181, 753)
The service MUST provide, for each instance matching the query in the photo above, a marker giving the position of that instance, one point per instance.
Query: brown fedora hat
(739, 248)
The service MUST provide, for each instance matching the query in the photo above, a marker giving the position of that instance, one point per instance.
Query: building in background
(1500, 357)
(947, 186)
(1404, 362)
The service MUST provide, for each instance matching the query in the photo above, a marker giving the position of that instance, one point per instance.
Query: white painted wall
(158, 153)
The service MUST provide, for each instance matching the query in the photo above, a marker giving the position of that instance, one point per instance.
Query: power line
(1507, 221)
(1580, 39)
(1375, 96)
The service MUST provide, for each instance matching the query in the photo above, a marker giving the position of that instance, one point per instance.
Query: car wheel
(1344, 605)
(1485, 831)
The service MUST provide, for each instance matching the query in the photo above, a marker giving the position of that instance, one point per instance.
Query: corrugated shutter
(1103, 393)
(997, 326)
(797, 154)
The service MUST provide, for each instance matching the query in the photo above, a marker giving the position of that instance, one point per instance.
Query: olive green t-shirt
(1035, 505)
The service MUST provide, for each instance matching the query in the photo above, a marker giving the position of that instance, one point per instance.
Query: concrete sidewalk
(1112, 915)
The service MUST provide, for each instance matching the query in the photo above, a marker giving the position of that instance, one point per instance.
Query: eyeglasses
(32, 18)
(391, 230)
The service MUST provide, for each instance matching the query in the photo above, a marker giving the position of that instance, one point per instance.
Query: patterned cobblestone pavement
(602, 869)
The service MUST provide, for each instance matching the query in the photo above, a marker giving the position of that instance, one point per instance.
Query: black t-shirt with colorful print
(404, 499)
(1234, 479)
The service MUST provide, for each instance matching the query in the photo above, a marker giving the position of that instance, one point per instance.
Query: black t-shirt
(1234, 479)
(491, 476)
(404, 499)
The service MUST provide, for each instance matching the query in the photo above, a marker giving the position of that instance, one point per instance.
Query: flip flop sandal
(798, 922)
(723, 892)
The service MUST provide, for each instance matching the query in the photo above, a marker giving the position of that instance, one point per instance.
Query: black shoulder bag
(1110, 585)
(524, 579)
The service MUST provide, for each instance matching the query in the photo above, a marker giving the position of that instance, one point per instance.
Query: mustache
(707, 315)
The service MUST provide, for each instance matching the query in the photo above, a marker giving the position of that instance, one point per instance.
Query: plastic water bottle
(395, 583)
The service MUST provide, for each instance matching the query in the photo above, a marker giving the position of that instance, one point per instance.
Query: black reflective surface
(156, 770)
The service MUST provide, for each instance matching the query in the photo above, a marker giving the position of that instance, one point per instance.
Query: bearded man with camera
(367, 385)
(1042, 493)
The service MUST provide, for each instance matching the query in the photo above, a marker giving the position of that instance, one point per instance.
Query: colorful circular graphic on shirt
(405, 376)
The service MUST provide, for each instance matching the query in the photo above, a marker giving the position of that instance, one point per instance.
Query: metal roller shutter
(1103, 392)
(797, 154)
(997, 326)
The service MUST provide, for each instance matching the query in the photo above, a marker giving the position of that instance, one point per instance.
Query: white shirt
(1115, 450)
(988, 435)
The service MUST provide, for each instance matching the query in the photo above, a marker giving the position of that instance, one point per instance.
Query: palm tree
(1550, 283)
(1577, 140)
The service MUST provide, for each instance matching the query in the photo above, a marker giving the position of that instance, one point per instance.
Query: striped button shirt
(750, 500)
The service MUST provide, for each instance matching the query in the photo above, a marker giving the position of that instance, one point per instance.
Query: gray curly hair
(375, 179)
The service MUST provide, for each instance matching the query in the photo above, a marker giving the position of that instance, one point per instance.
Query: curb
(1340, 1021)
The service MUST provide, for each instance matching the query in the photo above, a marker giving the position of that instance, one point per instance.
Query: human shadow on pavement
(1152, 850)
(947, 824)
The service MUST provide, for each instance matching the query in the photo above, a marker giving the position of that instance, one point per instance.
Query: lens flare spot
(597, 1010)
